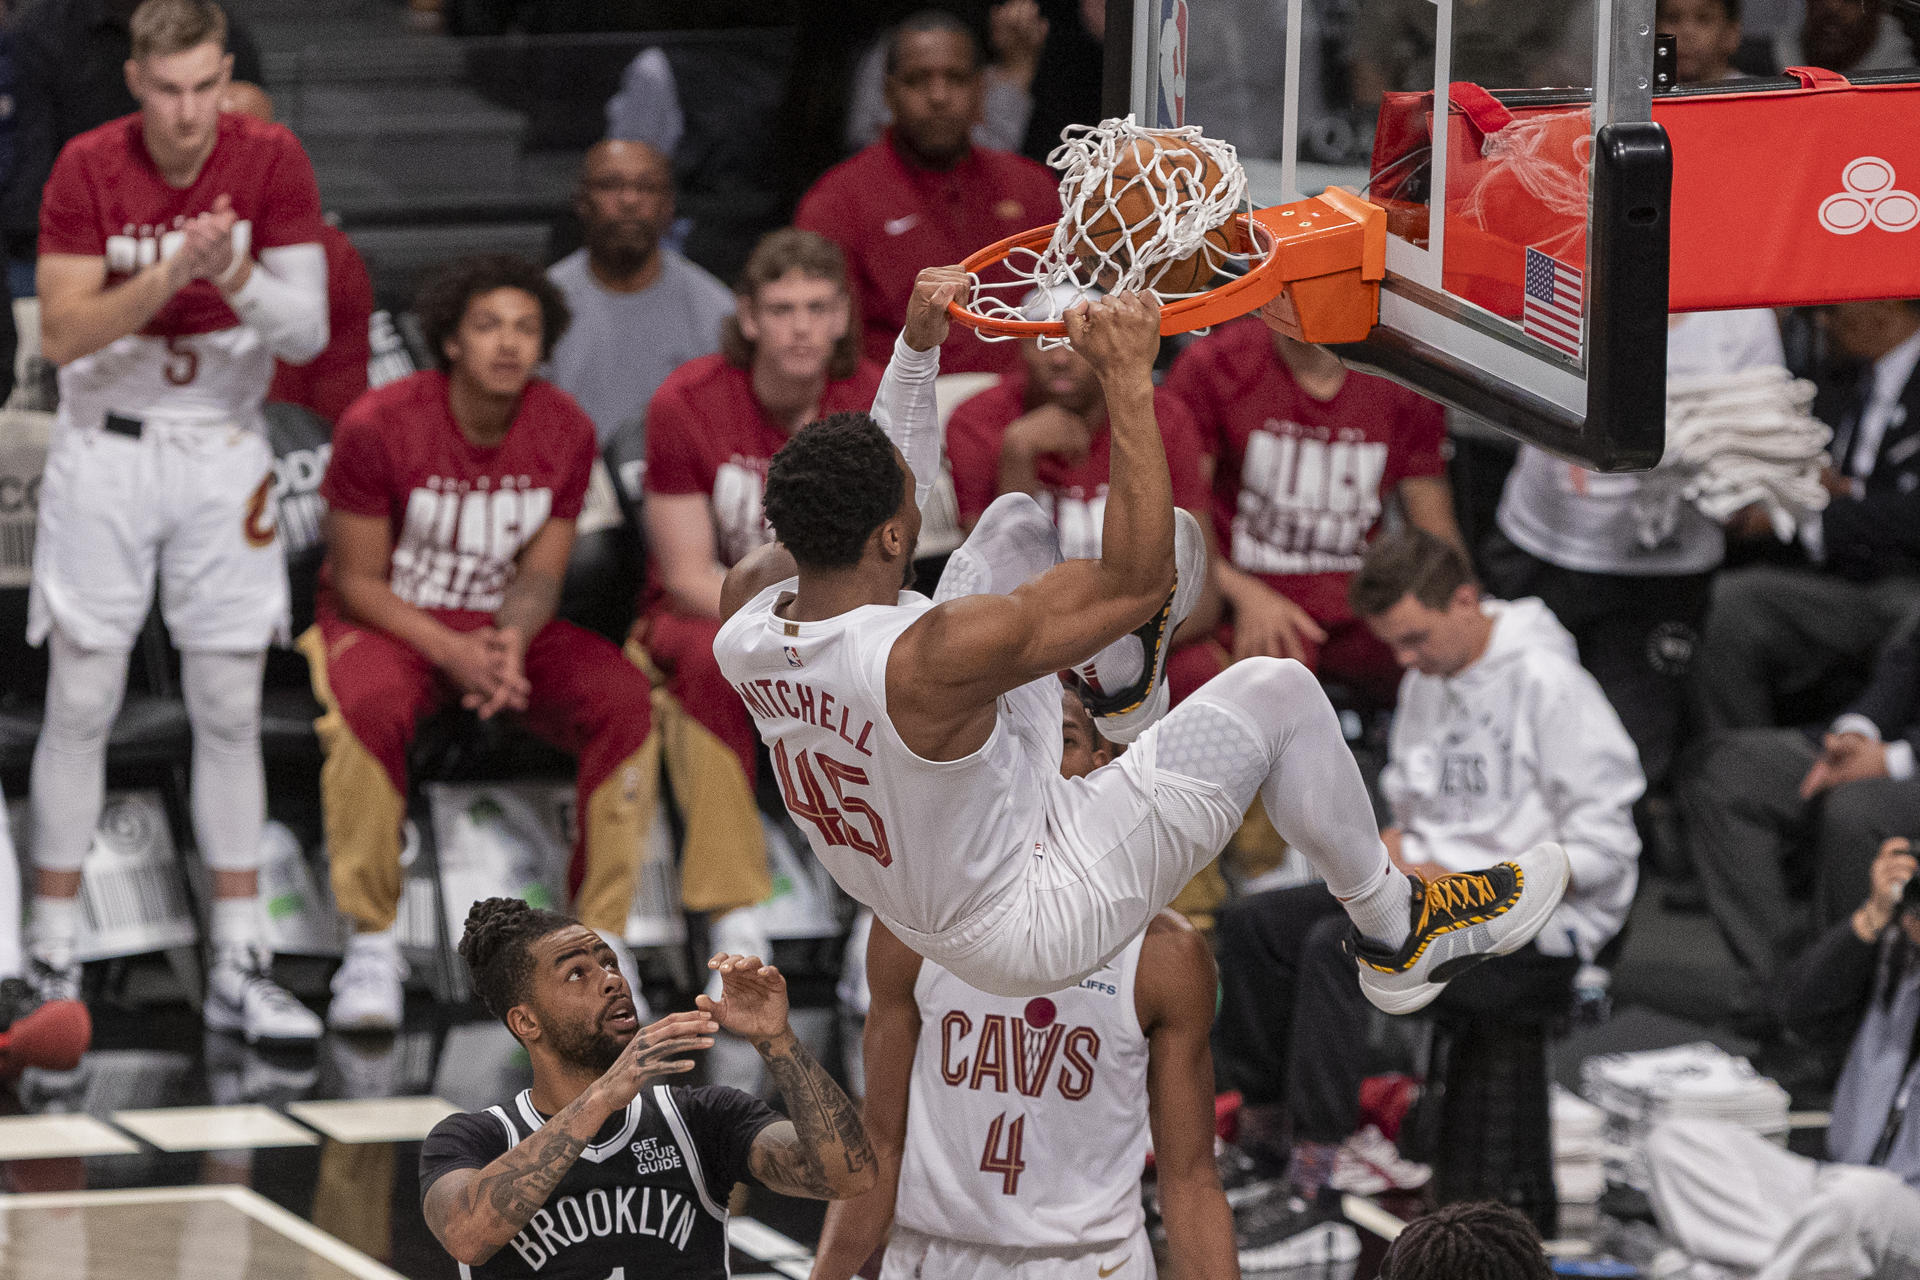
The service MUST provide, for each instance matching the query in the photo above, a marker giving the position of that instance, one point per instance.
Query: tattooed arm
(821, 1150)
(473, 1212)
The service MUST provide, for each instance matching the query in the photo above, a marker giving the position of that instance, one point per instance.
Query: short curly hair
(1482, 1239)
(830, 487)
(444, 298)
(495, 946)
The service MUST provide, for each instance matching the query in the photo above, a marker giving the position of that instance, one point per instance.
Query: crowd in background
(1734, 710)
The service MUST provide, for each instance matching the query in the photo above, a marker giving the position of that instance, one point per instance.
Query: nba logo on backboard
(1173, 63)
(793, 655)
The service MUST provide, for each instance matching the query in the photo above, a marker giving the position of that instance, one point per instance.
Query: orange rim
(1237, 297)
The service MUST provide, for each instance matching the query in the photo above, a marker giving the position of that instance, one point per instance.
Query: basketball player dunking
(1011, 1132)
(918, 744)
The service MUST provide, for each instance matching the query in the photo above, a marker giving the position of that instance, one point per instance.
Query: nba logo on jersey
(793, 655)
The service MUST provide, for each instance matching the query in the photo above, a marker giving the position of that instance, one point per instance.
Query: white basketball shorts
(195, 501)
(913, 1255)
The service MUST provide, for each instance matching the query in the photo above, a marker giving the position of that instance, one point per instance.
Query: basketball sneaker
(242, 996)
(1460, 920)
(1123, 714)
(1284, 1231)
(1368, 1164)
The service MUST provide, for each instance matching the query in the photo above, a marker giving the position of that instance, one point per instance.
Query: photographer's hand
(1894, 866)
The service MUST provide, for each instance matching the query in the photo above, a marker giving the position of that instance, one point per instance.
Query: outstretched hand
(653, 1054)
(753, 997)
(1119, 335)
(927, 319)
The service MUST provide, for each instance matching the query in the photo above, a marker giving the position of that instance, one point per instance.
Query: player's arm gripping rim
(821, 1149)
(473, 1212)
(1174, 997)
(948, 667)
(855, 1228)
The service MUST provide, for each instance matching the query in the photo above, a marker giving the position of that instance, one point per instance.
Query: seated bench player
(790, 353)
(453, 495)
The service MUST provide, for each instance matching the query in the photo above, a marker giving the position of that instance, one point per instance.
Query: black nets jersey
(647, 1200)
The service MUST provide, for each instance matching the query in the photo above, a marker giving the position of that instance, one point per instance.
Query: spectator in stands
(1735, 1198)
(160, 463)
(1306, 457)
(1766, 809)
(336, 377)
(1705, 34)
(70, 59)
(924, 194)
(1043, 431)
(1481, 766)
(1845, 36)
(789, 355)
(640, 310)
(1016, 35)
(1779, 636)
(1576, 539)
(453, 494)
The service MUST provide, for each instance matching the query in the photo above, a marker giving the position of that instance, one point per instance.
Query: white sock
(236, 923)
(54, 925)
(381, 942)
(1382, 912)
(1115, 667)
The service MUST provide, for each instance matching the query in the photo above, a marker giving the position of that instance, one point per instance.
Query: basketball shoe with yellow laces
(1460, 920)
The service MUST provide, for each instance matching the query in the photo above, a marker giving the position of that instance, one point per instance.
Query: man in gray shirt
(639, 310)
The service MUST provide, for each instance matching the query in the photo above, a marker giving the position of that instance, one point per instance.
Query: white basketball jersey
(1027, 1122)
(927, 844)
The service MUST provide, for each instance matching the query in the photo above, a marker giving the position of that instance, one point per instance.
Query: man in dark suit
(1769, 812)
(1778, 635)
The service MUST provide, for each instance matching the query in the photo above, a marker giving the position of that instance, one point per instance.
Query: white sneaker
(1368, 1164)
(367, 992)
(1125, 714)
(1460, 920)
(241, 996)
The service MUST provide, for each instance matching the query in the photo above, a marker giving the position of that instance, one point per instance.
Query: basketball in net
(1154, 171)
(1140, 209)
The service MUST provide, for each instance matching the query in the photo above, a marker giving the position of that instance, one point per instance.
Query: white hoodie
(1521, 747)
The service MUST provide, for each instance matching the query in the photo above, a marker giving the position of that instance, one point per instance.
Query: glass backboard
(1527, 247)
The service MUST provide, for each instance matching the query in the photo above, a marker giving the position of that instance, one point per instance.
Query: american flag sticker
(1554, 295)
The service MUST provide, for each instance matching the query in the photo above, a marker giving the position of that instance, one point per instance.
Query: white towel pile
(1580, 1148)
(1701, 1080)
(1733, 440)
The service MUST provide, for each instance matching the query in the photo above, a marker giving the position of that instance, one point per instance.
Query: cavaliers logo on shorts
(260, 525)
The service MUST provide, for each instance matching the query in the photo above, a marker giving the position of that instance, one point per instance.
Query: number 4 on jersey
(1010, 1166)
(807, 801)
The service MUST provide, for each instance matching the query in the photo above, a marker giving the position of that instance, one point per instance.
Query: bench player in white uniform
(179, 255)
(917, 742)
(1010, 1132)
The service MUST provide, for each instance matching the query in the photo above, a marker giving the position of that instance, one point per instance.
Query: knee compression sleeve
(1310, 785)
(229, 781)
(84, 687)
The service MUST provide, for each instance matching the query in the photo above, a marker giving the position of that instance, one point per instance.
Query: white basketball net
(1183, 209)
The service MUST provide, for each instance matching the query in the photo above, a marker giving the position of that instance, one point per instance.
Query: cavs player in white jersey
(917, 742)
(1011, 1131)
(179, 255)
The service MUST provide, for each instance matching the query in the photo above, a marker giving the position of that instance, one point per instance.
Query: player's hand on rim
(927, 318)
(654, 1054)
(1119, 335)
(753, 997)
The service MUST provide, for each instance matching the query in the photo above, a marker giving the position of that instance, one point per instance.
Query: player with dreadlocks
(1478, 1240)
(604, 1164)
